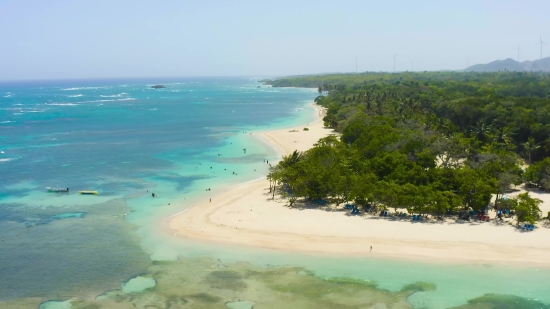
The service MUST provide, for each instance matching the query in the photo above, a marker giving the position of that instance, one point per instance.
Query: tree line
(432, 143)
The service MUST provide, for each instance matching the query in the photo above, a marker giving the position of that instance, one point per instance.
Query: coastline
(246, 215)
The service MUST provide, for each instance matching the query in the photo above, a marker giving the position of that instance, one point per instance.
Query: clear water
(126, 140)
(138, 285)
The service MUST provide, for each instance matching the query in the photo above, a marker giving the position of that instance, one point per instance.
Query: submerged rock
(243, 304)
(55, 304)
(158, 86)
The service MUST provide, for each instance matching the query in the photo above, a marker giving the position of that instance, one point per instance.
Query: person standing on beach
(370, 248)
(210, 200)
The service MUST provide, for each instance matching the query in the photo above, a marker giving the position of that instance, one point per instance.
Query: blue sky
(52, 39)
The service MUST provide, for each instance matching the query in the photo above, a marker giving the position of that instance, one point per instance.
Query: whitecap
(114, 95)
(7, 159)
(75, 96)
(61, 104)
(125, 99)
(83, 88)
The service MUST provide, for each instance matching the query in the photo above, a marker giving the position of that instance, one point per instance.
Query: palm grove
(430, 143)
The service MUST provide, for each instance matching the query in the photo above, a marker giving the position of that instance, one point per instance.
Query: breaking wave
(61, 104)
(84, 102)
(83, 88)
(114, 95)
(125, 99)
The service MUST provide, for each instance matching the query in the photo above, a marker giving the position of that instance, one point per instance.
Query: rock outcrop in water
(158, 86)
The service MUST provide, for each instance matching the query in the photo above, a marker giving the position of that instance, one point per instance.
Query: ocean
(186, 142)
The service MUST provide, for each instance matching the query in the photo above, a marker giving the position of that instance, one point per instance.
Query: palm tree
(530, 146)
(430, 121)
(379, 106)
(274, 176)
(504, 135)
(481, 131)
(292, 159)
(368, 105)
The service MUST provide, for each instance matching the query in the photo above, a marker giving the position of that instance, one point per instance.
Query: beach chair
(348, 206)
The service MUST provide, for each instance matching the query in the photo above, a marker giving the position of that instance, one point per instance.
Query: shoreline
(246, 215)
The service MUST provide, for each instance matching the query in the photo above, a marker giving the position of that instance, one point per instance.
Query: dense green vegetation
(437, 143)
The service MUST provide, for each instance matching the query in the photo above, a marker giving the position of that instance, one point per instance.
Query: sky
(57, 39)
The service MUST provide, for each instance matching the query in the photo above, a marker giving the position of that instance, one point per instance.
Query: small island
(158, 86)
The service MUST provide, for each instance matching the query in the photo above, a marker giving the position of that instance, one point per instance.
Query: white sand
(247, 215)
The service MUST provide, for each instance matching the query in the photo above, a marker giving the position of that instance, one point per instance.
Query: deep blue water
(78, 133)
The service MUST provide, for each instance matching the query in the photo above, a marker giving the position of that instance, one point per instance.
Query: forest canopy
(437, 142)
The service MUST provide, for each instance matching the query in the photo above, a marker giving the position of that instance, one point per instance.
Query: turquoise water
(126, 140)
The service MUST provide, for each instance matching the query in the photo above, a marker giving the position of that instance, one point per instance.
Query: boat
(87, 192)
(50, 189)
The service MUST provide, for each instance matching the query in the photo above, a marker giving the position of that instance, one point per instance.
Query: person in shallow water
(153, 194)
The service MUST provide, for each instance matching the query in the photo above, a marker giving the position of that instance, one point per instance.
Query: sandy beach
(247, 215)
